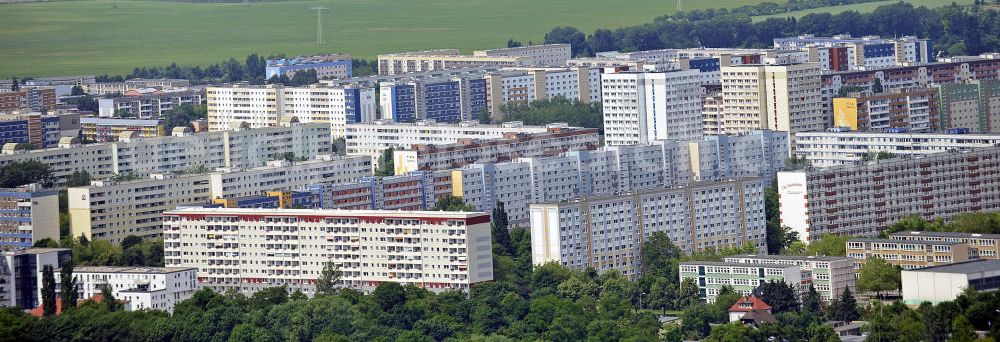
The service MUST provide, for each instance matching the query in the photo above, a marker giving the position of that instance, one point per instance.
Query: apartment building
(148, 103)
(328, 66)
(865, 199)
(242, 148)
(868, 52)
(413, 191)
(33, 99)
(252, 249)
(109, 130)
(35, 129)
(712, 114)
(607, 232)
(919, 76)
(443, 59)
(906, 254)
(833, 148)
(541, 55)
(469, 151)
(830, 276)
(980, 246)
(267, 106)
(744, 278)
(973, 104)
(373, 138)
(28, 214)
(775, 97)
(109, 210)
(140, 288)
(21, 274)
(914, 110)
(640, 107)
(271, 199)
(526, 85)
(102, 88)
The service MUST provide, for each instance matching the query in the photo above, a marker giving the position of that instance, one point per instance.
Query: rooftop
(906, 241)
(791, 257)
(945, 234)
(733, 264)
(130, 269)
(324, 212)
(966, 267)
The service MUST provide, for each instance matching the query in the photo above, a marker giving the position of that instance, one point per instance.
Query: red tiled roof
(749, 303)
(39, 311)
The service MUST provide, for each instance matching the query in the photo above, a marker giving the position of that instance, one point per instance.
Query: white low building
(152, 288)
(945, 283)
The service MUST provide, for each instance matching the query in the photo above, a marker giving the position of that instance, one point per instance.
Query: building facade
(776, 97)
(906, 254)
(945, 283)
(35, 129)
(833, 148)
(268, 106)
(974, 105)
(980, 246)
(744, 278)
(914, 110)
(607, 232)
(865, 199)
(541, 55)
(28, 100)
(109, 130)
(28, 214)
(147, 105)
(21, 274)
(830, 276)
(252, 249)
(330, 66)
(640, 107)
(140, 288)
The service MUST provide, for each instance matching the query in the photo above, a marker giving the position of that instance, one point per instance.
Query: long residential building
(865, 53)
(865, 199)
(640, 107)
(470, 151)
(541, 55)
(109, 130)
(520, 86)
(147, 105)
(109, 210)
(910, 109)
(972, 104)
(28, 214)
(252, 249)
(140, 288)
(444, 99)
(329, 66)
(905, 253)
(101, 88)
(28, 100)
(776, 97)
(744, 278)
(830, 276)
(607, 232)
(243, 105)
(373, 138)
(431, 60)
(980, 246)
(833, 148)
(241, 148)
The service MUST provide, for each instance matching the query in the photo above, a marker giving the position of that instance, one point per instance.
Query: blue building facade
(43, 131)
(402, 98)
(477, 97)
(443, 101)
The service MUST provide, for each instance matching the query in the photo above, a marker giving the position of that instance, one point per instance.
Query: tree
(110, 303)
(779, 295)
(660, 256)
(878, 276)
(76, 91)
(811, 301)
(14, 84)
(877, 86)
(183, 115)
(734, 332)
(484, 116)
(569, 35)
(385, 163)
(48, 291)
(78, 178)
(845, 308)
(962, 330)
(846, 90)
(511, 43)
(452, 203)
(500, 231)
(556, 109)
(26, 172)
(67, 287)
(389, 295)
(687, 294)
(328, 278)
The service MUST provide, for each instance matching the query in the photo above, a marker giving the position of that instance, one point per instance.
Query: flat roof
(906, 241)
(945, 234)
(734, 264)
(130, 269)
(325, 212)
(791, 257)
(966, 267)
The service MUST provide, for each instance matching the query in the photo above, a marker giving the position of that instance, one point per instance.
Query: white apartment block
(373, 138)
(241, 105)
(252, 249)
(21, 274)
(775, 97)
(828, 274)
(607, 232)
(108, 210)
(140, 288)
(863, 200)
(825, 149)
(541, 55)
(244, 148)
(443, 59)
(470, 151)
(150, 105)
(523, 86)
(640, 107)
(744, 278)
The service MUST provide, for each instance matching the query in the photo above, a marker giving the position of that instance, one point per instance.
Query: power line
(319, 23)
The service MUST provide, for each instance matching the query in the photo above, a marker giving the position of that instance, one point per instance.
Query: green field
(865, 7)
(94, 36)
